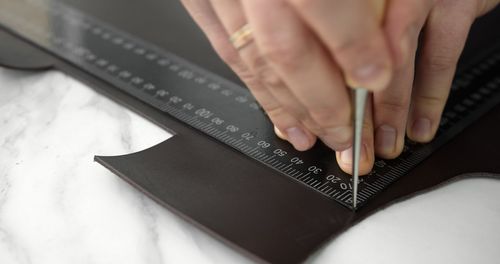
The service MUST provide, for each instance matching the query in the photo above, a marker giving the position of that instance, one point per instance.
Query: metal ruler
(224, 110)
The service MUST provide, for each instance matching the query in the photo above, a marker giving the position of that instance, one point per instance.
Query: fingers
(351, 31)
(206, 18)
(273, 95)
(391, 112)
(367, 157)
(305, 68)
(443, 41)
(403, 23)
(404, 20)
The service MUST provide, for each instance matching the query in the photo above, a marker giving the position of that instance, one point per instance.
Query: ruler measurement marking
(224, 137)
(331, 192)
(363, 196)
(313, 182)
(303, 178)
(238, 144)
(264, 157)
(269, 157)
(300, 174)
(365, 193)
(288, 170)
(335, 194)
(295, 173)
(377, 185)
(260, 155)
(326, 189)
(371, 188)
(247, 149)
(244, 147)
(323, 188)
(219, 134)
(189, 73)
(254, 151)
(211, 130)
(345, 194)
(315, 185)
(282, 166)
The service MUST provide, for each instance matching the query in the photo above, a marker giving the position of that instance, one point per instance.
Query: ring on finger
(242, 37)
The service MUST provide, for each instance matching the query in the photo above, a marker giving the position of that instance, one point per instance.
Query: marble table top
(58, 206)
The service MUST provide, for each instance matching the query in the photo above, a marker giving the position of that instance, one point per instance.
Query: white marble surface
(58, 206)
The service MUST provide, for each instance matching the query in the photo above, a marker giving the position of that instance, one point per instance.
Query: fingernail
(346, 155)
(298, 138)
(421, 129)
(385, 139)
(372, 76)
(279, 133)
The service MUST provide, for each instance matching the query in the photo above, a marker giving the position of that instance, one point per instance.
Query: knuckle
(393, 107)
(250, 79)
(287, 55)
(440, 63)
(230, 56)
(277, 114)
(430, 101)
(274, 111)
(271, 79)
(245, 74)
(325, 116)
(340, 136)
(334, 126)
(281, 117)
(313, 127)
(272, 107)
(355, 53)
(296, 110)
(256, 87)
(355, 46)
(281, 111)
(256, 63)
(262, 71)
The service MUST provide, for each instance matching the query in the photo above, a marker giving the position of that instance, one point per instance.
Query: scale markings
(197, 97)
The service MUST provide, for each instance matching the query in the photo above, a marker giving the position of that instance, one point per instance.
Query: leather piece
(16, 54)
(259, 212)
(274, 218)
(253, 209)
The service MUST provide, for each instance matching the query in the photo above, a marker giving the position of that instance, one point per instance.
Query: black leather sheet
(26, 56)
(269, 217)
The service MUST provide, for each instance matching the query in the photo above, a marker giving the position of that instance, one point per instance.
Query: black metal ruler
(223, 110)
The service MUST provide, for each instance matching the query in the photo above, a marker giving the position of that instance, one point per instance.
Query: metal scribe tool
(360, 95)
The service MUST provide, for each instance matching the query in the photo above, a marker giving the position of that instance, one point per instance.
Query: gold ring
(241, 37)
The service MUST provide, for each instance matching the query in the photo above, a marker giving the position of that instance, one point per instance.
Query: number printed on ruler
(224, 110)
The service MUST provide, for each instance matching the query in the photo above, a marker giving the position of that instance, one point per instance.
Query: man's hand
(306, 52)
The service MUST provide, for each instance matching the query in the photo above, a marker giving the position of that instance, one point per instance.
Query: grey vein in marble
(58, 206)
